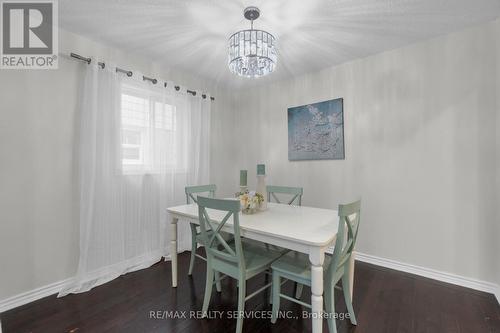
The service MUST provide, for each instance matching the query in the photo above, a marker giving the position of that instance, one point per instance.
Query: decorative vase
(249, 211)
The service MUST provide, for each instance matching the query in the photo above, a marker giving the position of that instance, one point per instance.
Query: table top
(300, 224)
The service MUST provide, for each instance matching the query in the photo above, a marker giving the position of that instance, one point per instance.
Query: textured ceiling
(191, 35)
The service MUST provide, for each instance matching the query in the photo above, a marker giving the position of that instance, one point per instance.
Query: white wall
(420, 149)
(497, 221)
(38, 194)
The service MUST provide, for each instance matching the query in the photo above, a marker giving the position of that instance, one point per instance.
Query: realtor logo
(29, 34)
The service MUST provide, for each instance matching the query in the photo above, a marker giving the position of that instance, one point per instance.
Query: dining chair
(295, 191)
(195, 233)
(295, 266)
(240, 259)
(296, 199)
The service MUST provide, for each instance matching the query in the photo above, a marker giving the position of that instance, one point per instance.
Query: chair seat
(199, 237)
(296, 266)
(258, 257)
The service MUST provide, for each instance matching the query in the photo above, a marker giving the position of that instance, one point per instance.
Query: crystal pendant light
(252, 53)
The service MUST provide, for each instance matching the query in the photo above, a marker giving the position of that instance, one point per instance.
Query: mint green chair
(295, 191)
(296, 199)
(240, 259)
(195, 233)
(295, 266)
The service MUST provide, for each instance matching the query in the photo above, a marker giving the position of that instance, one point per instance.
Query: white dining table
(300, 228)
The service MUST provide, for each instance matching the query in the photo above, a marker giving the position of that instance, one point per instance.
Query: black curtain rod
(129, 73)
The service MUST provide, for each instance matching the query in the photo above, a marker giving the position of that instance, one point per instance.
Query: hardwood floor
(384, 301)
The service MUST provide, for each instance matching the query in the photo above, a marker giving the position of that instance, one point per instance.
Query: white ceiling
(312, 34)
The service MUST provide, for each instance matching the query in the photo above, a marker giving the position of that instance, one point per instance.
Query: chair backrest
(295, 192)
(214, 240)
(349, 217)
(192, 190)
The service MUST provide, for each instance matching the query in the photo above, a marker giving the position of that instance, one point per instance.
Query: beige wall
(420, 149)
(38, 194)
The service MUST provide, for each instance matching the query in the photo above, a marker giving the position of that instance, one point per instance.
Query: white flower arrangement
(250, 201)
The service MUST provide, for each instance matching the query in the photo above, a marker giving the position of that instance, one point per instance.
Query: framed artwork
(316, 131)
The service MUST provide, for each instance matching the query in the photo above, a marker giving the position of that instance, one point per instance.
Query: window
(147, 131)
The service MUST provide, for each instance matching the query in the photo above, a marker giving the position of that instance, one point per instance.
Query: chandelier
(252, 53)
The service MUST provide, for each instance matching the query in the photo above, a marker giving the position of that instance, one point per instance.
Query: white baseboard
(432, 274)
(32, 295)
(54, 288)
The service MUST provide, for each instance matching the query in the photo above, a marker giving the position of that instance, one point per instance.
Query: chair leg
(276, 296)
(346, 288)
(193, 248)
(298, 290)
(208, 290)
(217, 283)
(330, 308)
(241, 304)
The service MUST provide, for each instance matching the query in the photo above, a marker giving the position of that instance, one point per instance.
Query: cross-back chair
(295, 192)
(295, 266)
(294, 198)
(191, 192)
(240, 259)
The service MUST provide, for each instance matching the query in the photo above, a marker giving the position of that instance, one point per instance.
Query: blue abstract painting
(316, 131)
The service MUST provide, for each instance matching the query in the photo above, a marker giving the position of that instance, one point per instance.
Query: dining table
(303, 229)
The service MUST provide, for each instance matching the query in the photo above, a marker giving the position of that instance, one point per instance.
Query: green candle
(261, 169)
(243, 177)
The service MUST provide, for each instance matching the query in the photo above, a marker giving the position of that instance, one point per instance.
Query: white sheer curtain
(140, 144)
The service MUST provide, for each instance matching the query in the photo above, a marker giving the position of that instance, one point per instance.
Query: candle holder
(243, 181)
(261, 184)
(261, 188)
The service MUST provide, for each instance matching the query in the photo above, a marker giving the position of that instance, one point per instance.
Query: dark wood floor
(384, 301)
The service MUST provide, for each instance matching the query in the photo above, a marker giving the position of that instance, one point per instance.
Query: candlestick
(261, 188)
(261, 169)
(243, 177)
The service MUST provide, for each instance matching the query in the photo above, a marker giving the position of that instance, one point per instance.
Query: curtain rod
(129, 73)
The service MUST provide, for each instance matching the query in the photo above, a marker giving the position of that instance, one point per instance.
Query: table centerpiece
(251, 201)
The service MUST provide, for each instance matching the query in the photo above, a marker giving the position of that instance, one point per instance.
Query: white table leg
(351, 273)
(173, 250)
(316, 257)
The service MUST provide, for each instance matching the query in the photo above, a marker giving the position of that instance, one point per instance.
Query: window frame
(148, 162)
